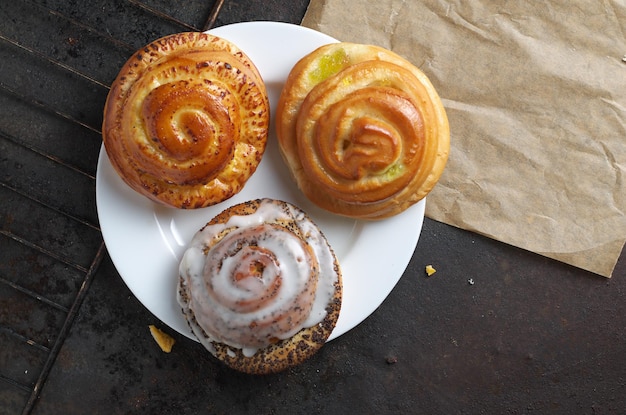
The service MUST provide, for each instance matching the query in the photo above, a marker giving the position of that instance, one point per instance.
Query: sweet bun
(186, 120)
(260, 286)
(362, 130)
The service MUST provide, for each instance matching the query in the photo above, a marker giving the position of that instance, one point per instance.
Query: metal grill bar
(162, 15)
(34, 295)
(47, 155)
(66, 214)
(103, 35)
(41, 105)
(65, 329)
(15, 384)
(52, 61)
(49, 253)
(210, 21)
(26, 340)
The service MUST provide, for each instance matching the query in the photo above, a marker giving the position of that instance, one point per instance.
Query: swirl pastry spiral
(260, 286)
(186, 120)
(362, 130)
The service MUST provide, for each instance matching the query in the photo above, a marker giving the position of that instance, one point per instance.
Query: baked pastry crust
(362, 130)
(272, 351)
(186, 120)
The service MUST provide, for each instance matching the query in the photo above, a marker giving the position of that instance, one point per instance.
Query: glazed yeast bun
(186, 120)
(363, 131)
(260, 286)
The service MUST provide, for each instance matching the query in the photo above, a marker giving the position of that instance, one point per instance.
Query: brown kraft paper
(536, 98)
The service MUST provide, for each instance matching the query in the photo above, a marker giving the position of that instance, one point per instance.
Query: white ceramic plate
(146, 240)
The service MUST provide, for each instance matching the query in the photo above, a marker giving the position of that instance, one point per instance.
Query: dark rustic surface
(528, 335)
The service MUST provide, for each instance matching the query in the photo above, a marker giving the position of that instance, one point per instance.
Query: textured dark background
(530, 335)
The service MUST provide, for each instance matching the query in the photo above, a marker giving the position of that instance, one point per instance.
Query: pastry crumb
(430, 270)
(391, 360)
(164, 340)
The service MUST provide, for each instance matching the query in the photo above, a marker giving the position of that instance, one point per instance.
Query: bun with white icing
(260, 286)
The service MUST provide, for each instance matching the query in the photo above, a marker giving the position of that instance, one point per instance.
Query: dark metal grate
(57, 61)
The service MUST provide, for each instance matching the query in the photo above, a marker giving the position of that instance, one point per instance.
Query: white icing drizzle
(251, 280)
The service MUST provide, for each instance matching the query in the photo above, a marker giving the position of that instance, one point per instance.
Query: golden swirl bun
(186, 120)
(260, 286)
(362, 130)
